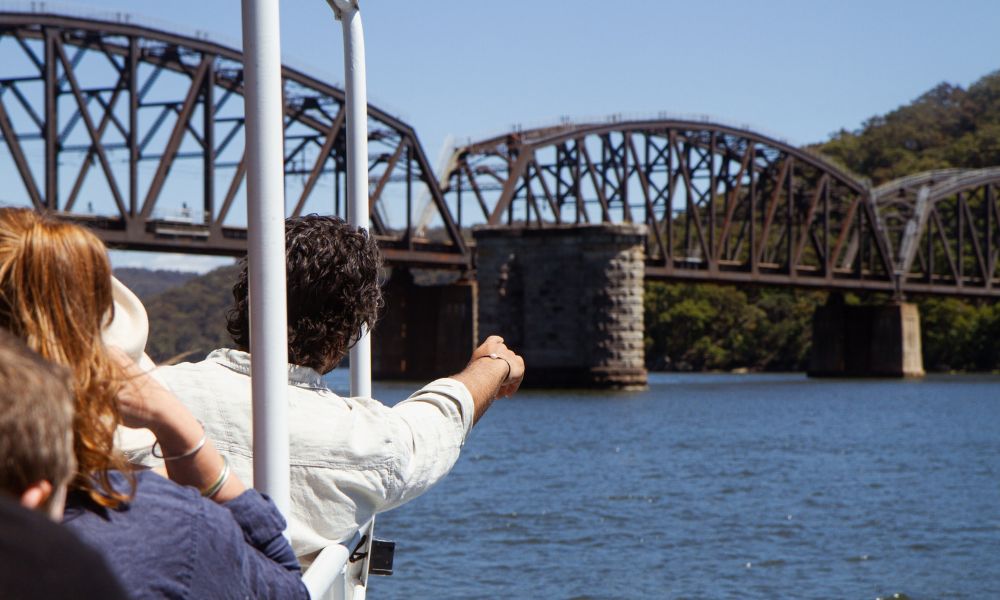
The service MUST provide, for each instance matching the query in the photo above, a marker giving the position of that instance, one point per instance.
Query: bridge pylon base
(866, 341)
(569, 299)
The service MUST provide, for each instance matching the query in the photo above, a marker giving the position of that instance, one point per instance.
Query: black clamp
(380, 555)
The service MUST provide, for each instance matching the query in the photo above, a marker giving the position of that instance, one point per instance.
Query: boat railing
(332, 575)
(340, 571)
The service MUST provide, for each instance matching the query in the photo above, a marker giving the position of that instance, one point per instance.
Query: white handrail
(331, 576)
(326, 570)
(266, 248)
(356, 110)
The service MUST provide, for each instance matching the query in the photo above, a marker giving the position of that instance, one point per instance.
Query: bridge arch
(943, 228)
(719, 202)
(138, 132)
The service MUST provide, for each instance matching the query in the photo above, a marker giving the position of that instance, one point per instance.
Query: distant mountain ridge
(146, 283)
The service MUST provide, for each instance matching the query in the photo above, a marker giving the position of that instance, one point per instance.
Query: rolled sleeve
(448, 396)
(436, 421)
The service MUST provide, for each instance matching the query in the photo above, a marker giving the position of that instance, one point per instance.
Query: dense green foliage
(960, 335)
(708, 327)
(946, 127)
(698, 327)
(188, 321)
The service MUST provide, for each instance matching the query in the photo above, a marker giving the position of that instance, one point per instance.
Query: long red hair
(55, 294)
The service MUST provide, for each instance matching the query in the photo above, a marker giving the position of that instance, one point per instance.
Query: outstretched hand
(494, 346)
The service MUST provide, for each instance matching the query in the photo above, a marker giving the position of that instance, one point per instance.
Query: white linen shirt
(350, 457)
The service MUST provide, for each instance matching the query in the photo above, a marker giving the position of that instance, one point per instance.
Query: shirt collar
(239, 361)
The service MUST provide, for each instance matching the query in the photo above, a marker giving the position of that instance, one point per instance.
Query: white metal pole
(266, 231)
(356, 105)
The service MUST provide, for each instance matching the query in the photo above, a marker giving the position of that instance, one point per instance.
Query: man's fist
(494, 349)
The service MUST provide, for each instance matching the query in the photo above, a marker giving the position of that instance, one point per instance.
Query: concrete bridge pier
(866, 341)
(569, 299)
(426, 331)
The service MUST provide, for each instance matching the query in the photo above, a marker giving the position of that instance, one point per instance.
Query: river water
(714, 486)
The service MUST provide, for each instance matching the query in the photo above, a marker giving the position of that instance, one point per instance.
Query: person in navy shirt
(38, 557)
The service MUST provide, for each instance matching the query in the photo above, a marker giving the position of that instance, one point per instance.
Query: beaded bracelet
(191, 452)
(213, 489)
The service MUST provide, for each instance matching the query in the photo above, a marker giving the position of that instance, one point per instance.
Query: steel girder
(720, 203)
(138, 133)
(943, 227)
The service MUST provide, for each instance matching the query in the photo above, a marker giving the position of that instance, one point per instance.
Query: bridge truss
(944, 227)
(719, 203)
(139, 133)
(730, 205)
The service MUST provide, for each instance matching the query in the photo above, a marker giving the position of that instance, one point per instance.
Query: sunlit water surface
(714, 486)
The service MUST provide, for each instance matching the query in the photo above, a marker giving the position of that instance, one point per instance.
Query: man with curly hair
(350, 457)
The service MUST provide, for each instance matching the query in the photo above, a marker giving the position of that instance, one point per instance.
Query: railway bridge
(138, 133)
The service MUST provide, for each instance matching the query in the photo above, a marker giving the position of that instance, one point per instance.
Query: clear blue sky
(471, 68)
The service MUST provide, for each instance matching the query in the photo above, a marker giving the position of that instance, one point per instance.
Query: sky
(466, 69)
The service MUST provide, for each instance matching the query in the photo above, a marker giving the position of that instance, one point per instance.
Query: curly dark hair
(332, 272)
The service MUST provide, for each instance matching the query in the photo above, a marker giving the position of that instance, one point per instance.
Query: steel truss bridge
(139, 133)
(727, 204)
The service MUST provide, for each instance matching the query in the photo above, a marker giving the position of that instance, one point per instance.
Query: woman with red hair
(200, 534)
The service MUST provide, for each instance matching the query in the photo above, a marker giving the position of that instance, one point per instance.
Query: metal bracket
(380, 555)
(339, 6)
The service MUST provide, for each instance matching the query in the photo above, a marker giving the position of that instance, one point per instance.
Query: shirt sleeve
(433, 424)
(249, 530)
(262, 527)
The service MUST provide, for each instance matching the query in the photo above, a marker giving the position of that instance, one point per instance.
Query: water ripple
(716, 486)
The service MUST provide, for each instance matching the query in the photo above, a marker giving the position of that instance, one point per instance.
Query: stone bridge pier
(569, 299)
(865, 341)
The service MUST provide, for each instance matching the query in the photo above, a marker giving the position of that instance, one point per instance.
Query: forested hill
(187, 321)
(146, 283)
(946, 127)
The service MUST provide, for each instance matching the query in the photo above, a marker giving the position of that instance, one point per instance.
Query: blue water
(715, 486)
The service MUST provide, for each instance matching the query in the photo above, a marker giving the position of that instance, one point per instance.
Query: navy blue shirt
(41, 559)
(169, 542)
